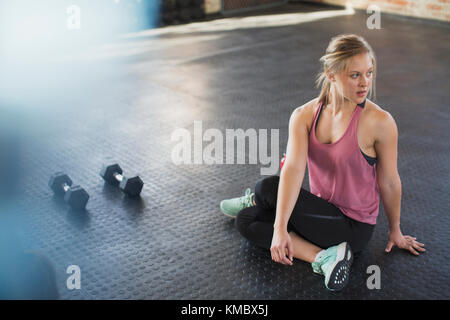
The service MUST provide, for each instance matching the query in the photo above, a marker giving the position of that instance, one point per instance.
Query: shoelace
(324, 262)
(246, 200)
(317, 266)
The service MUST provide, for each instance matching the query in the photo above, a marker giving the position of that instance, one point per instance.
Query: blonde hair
(339, 51)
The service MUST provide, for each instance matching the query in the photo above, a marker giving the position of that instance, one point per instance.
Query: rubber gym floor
(122, 101)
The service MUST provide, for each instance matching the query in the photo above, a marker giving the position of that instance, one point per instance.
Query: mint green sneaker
(334, 263)
(231, 207)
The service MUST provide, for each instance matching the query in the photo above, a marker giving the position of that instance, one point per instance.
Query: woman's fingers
(389, 246)
(279, 255)
(290, 252)
(284, 258)
(275, 254)
(411, 249)
(281, 252)
(408, 243)
(414, 245)
(419, 246)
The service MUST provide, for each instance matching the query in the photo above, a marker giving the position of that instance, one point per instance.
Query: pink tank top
(339, 173)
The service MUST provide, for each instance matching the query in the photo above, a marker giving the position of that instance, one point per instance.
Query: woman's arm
(388, 178)
(291, 178)
(389, 183)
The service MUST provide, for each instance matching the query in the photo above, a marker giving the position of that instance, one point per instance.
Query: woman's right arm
(291, 179)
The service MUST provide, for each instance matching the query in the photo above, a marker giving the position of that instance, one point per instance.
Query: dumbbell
(75, 196)
(112, 174)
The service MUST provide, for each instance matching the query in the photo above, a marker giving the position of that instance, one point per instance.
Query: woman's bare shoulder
(376, 112)
(377, 117)
(308, 106)
(305, 113)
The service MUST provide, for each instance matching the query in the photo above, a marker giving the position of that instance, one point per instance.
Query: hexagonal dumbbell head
(107, 173)
(77, 197)
(132, 186)
(57, 181)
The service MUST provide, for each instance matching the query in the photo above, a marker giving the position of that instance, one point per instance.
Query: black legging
(313, 218)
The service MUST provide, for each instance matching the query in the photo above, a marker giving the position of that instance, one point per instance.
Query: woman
(350, 146)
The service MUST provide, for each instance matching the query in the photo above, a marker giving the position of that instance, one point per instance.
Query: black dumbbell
(75, 196)
(113, 175)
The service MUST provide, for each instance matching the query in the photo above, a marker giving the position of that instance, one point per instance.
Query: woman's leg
(303, 250)
(256, 223)
(314, 222)
(315, 219)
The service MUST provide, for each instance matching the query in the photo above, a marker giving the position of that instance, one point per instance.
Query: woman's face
(355, 82)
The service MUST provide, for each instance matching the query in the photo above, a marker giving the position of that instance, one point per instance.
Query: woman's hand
(282, 247)
(396, 238)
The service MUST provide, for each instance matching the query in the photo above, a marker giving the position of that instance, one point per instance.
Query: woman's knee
(243, 219)
(266, 190)
(251, 227)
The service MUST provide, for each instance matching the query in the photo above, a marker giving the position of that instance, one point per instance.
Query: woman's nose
(364, 81)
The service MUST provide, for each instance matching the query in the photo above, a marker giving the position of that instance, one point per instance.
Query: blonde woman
(350, 146)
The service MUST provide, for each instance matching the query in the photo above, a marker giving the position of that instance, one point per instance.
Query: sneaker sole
(226, 213)
(339, 277)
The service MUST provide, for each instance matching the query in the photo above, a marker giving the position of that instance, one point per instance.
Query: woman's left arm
(389, 183)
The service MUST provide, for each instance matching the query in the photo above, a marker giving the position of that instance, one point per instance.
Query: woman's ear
(331, 77)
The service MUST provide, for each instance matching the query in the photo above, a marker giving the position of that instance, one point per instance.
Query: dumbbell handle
(118, 176)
